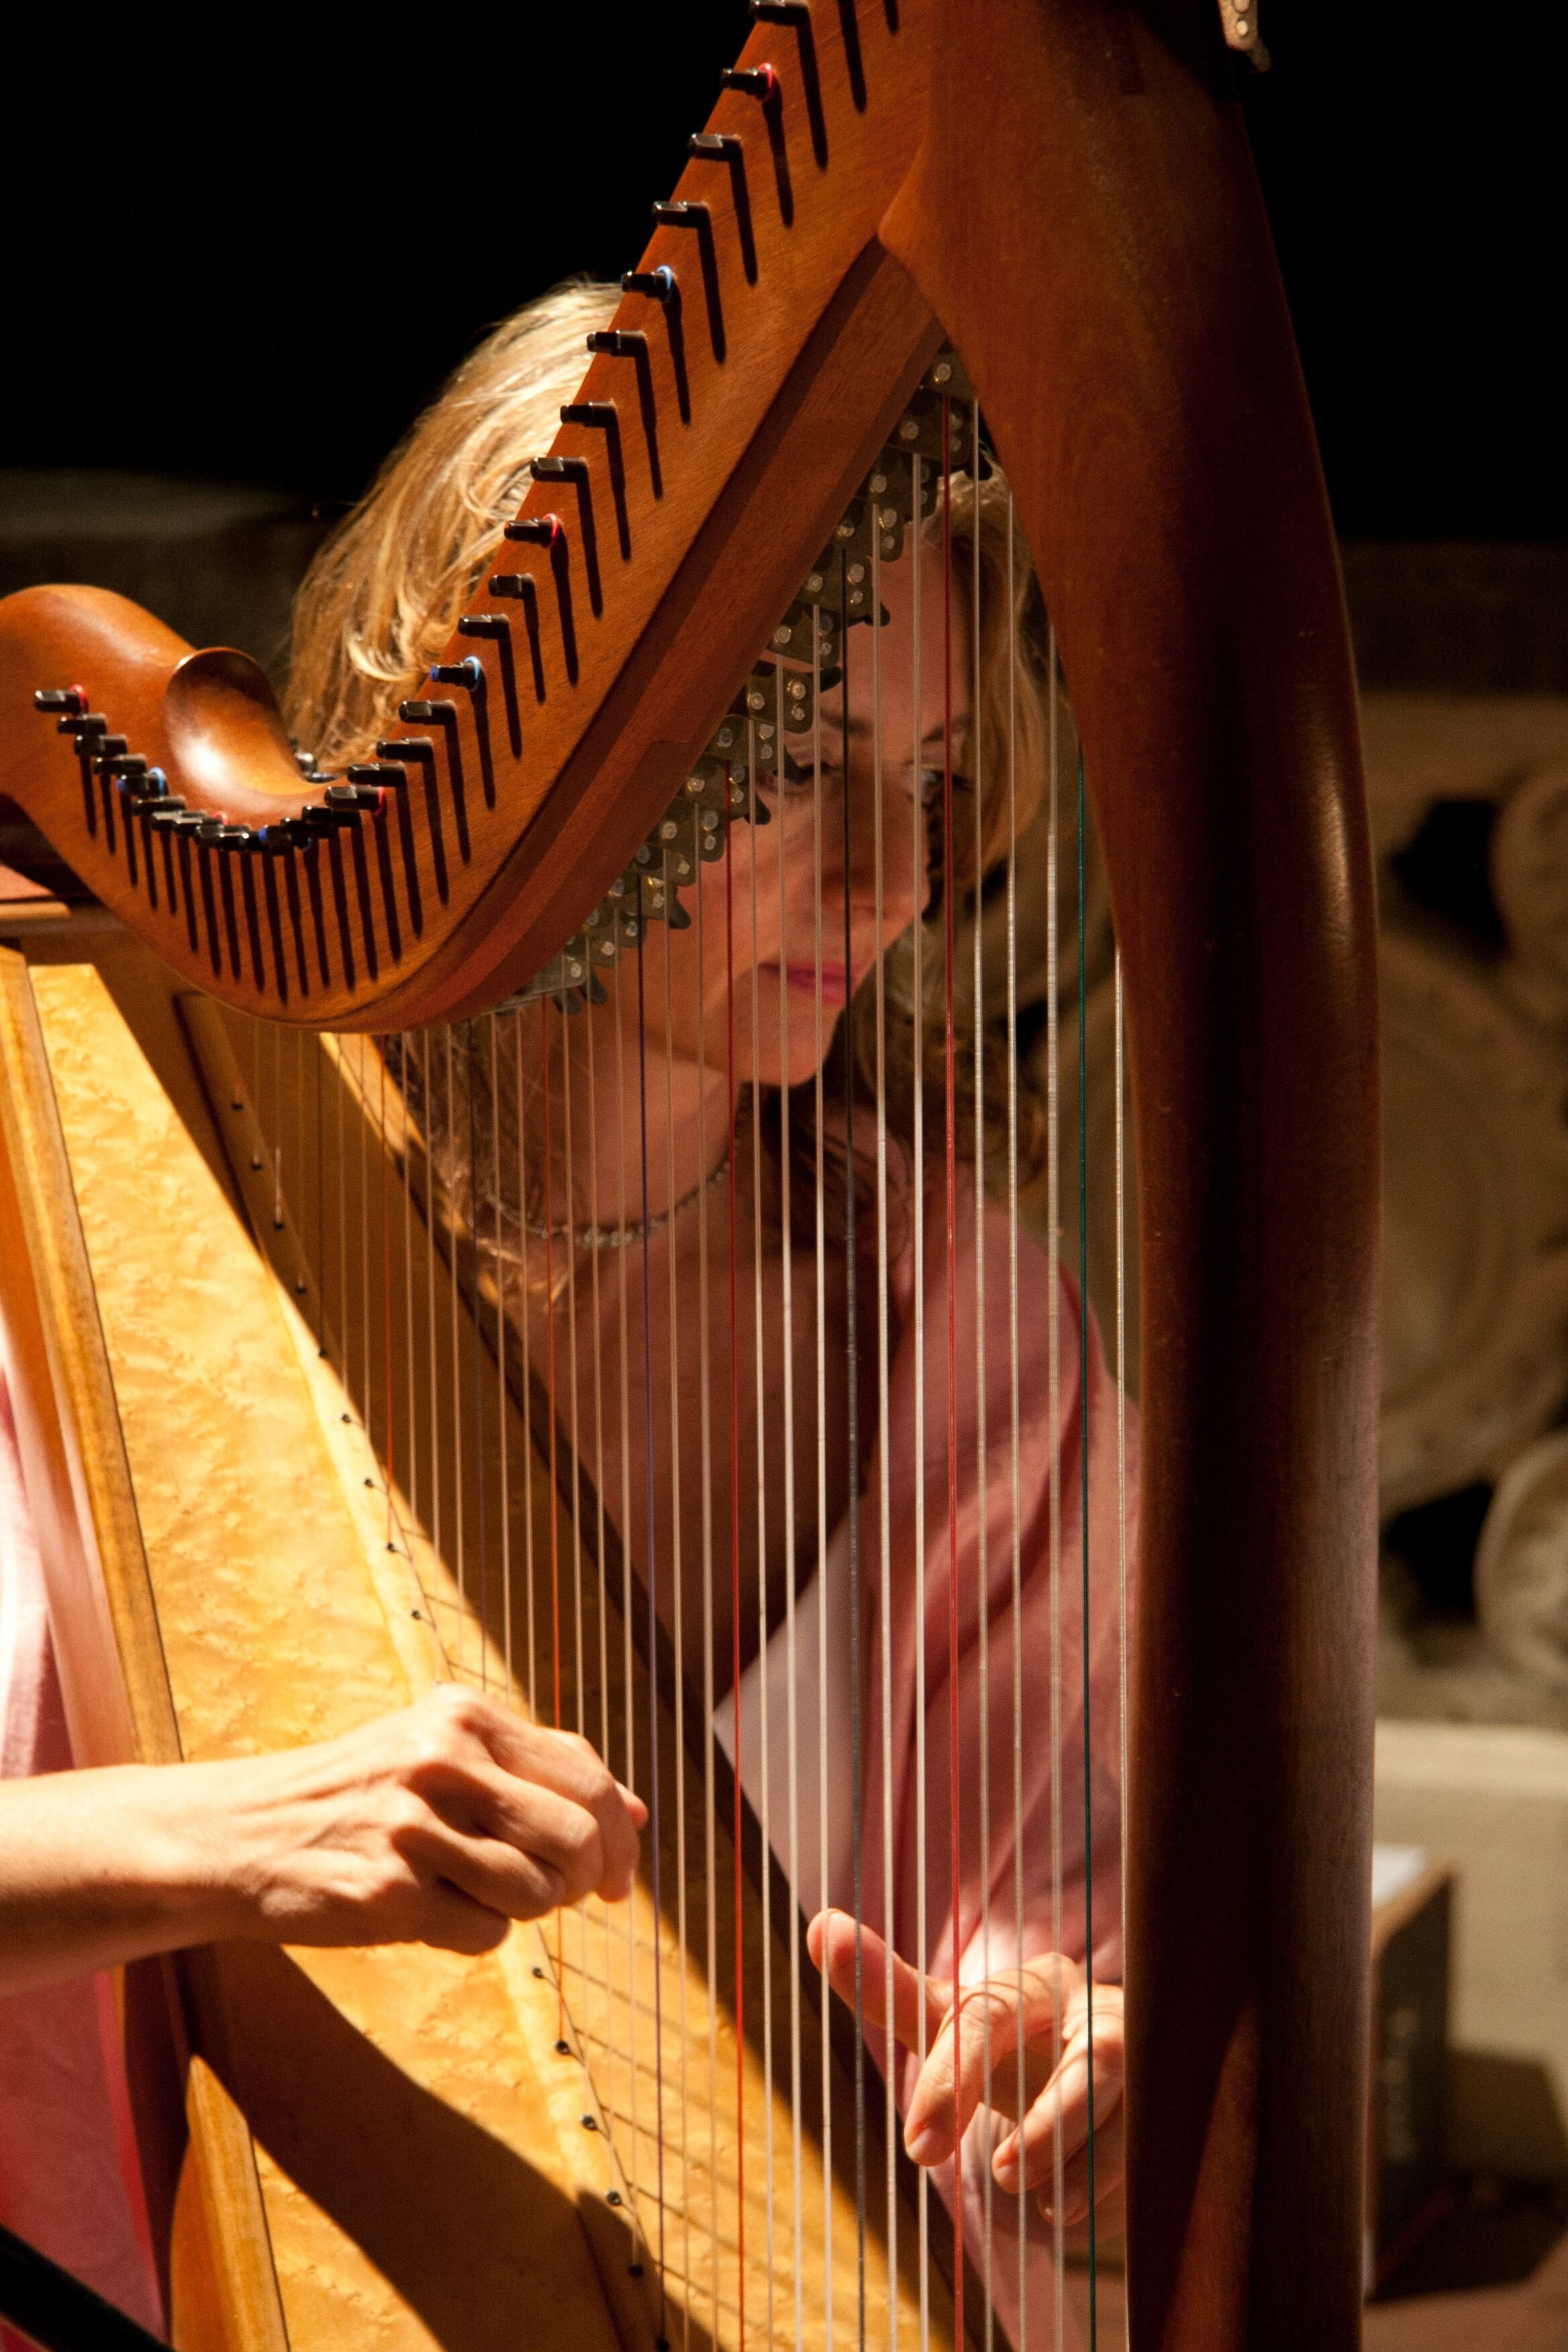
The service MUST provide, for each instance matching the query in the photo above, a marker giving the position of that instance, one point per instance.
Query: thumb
(831, 1938)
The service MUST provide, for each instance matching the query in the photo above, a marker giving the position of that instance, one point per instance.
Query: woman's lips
(839, 982)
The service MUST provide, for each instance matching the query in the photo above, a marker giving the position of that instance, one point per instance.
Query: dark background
(254, 250)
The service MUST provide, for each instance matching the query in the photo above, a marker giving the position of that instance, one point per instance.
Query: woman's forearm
(101, 1868)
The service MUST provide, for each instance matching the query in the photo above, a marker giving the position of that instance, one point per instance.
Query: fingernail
(924, 2145)
(1005, 2167)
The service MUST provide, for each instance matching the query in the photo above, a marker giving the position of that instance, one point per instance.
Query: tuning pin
(469, 672)
(618, 342)
(356, 795)
(558, 470)
(680, 212)
(658, 284)
(536, 530)
(753, 81)
(60, 697)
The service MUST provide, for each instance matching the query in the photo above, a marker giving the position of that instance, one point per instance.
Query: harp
(305, 1424)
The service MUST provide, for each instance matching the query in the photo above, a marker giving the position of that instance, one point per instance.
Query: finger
(1062, 2108)
(487, 1804)
(1109, 2174)
(509, 1884)
(568, 1765)
(451, 1919)
(562, 1760)
(830, 1939)
(583, 1781)
(634, 1805)
(461, 1728)
(975, 2058)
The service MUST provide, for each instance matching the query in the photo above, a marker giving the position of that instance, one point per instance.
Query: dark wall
(254, 251)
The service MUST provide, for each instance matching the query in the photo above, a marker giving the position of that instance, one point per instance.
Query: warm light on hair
(384, 592)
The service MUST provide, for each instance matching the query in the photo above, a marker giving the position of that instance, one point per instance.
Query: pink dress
(68, 2181)
(1004, 1862)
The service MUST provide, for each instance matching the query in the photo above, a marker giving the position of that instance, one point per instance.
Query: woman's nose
(890, 857)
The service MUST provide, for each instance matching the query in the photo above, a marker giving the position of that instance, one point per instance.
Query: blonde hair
(384, 594)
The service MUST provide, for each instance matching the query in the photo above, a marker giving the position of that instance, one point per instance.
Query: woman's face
(786, 954)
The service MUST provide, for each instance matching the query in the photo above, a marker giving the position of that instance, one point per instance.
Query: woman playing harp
(708, 1195)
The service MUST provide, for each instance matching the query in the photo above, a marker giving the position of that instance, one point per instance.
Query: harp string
(367, 1295)
(455, 1307)
(820, 1236)
(1053, 1381)
(851, 1303)
(627, 1617)
(983, 1611)
(590, 1915)
(949, 1140)
(1123, 1621)
(412, 1383)
(709, 1811)
(760, 1381)
(525, 1306)
(318, 1057)
(1015, 1561)
(389, 1450)
(470, 1090)
(677, 1578)
(502, 1417)
(788, 1360)
(650, 1572)
(566, 1030)
(1083, 1503)
(733, 1200)
(884, 1493)
(919, 881)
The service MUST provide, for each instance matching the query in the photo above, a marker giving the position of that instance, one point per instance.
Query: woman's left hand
(1050, 1999)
